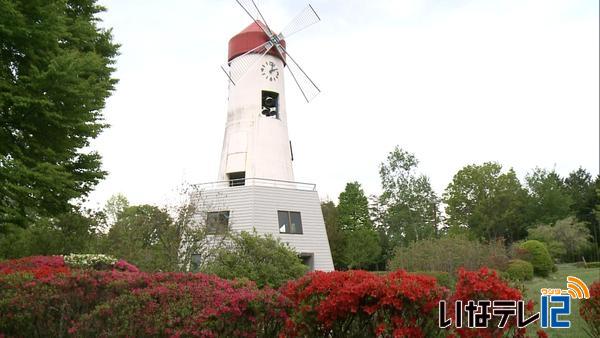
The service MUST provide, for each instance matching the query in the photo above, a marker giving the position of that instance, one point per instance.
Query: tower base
(287, 210)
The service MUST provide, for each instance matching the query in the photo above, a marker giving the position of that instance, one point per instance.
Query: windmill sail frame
(307, 17)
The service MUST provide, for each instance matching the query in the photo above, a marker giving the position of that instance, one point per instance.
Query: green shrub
(442, 277)
(265, 260)
(449, 254)
(519, 269)
(538, 256)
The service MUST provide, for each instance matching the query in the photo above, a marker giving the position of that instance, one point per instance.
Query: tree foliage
(146, 236)
(550, 197)
(408, 205)
(335, 235)
(362, 248)
(490, 203)
(353, 240)
(361, 242)
(353, 208)
(55, 74)
(73, 232)
(566, 239)
(153, 238)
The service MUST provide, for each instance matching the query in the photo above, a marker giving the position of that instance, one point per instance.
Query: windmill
(256, 189)
(307, 17)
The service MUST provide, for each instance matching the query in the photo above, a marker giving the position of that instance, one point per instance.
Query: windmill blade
(308, 88)
(240, 67)
(252, 10)
(306, 18)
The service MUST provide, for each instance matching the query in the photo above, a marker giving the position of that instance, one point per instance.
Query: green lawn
(559, 280)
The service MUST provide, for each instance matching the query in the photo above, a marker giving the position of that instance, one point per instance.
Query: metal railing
(262, 182)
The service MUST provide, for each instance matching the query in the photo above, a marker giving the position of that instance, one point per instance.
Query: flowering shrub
(114, 303)
(486, 285)
(38, 266)
(125, 302)
(187, 305)
(90, 261)
(122, 265)
(358, 303)
(590, 310)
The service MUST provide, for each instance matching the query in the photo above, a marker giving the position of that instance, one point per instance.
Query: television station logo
(555, 305)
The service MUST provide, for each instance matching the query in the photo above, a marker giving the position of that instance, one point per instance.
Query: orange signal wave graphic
(577, 288)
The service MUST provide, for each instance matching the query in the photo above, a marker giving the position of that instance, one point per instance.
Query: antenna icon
(577, 288)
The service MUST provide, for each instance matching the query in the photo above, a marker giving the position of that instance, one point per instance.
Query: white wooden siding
(256, 207)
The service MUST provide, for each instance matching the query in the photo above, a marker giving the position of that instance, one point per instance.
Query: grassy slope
(559, 280)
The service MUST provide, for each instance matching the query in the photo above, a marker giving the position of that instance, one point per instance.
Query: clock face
(270, 71)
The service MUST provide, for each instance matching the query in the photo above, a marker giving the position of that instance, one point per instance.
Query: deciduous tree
(408, 205)
(490, 203)
(56, 69)
(566, 239)
(146, 236)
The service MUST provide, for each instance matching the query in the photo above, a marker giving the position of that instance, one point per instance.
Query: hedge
(41, 296)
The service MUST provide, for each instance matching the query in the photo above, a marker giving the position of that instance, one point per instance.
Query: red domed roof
(248, 39)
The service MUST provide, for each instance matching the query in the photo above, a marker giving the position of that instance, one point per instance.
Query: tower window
(237, 179)
(217, 222)
(290, 222)
(270, 104)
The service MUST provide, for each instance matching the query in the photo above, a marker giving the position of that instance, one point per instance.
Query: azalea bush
(177, 304)
(38, 266)
(121, 303)
(590, 310)
(485, 284)
(43, 296)
(361, 304)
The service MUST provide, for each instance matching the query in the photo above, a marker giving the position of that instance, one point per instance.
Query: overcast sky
(455, 82)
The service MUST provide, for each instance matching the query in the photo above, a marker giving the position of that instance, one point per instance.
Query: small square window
(217, 223)
(237, 179)
(290, 222)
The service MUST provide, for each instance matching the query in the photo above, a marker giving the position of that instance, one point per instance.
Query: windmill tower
(256, 188)
(256, 142)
